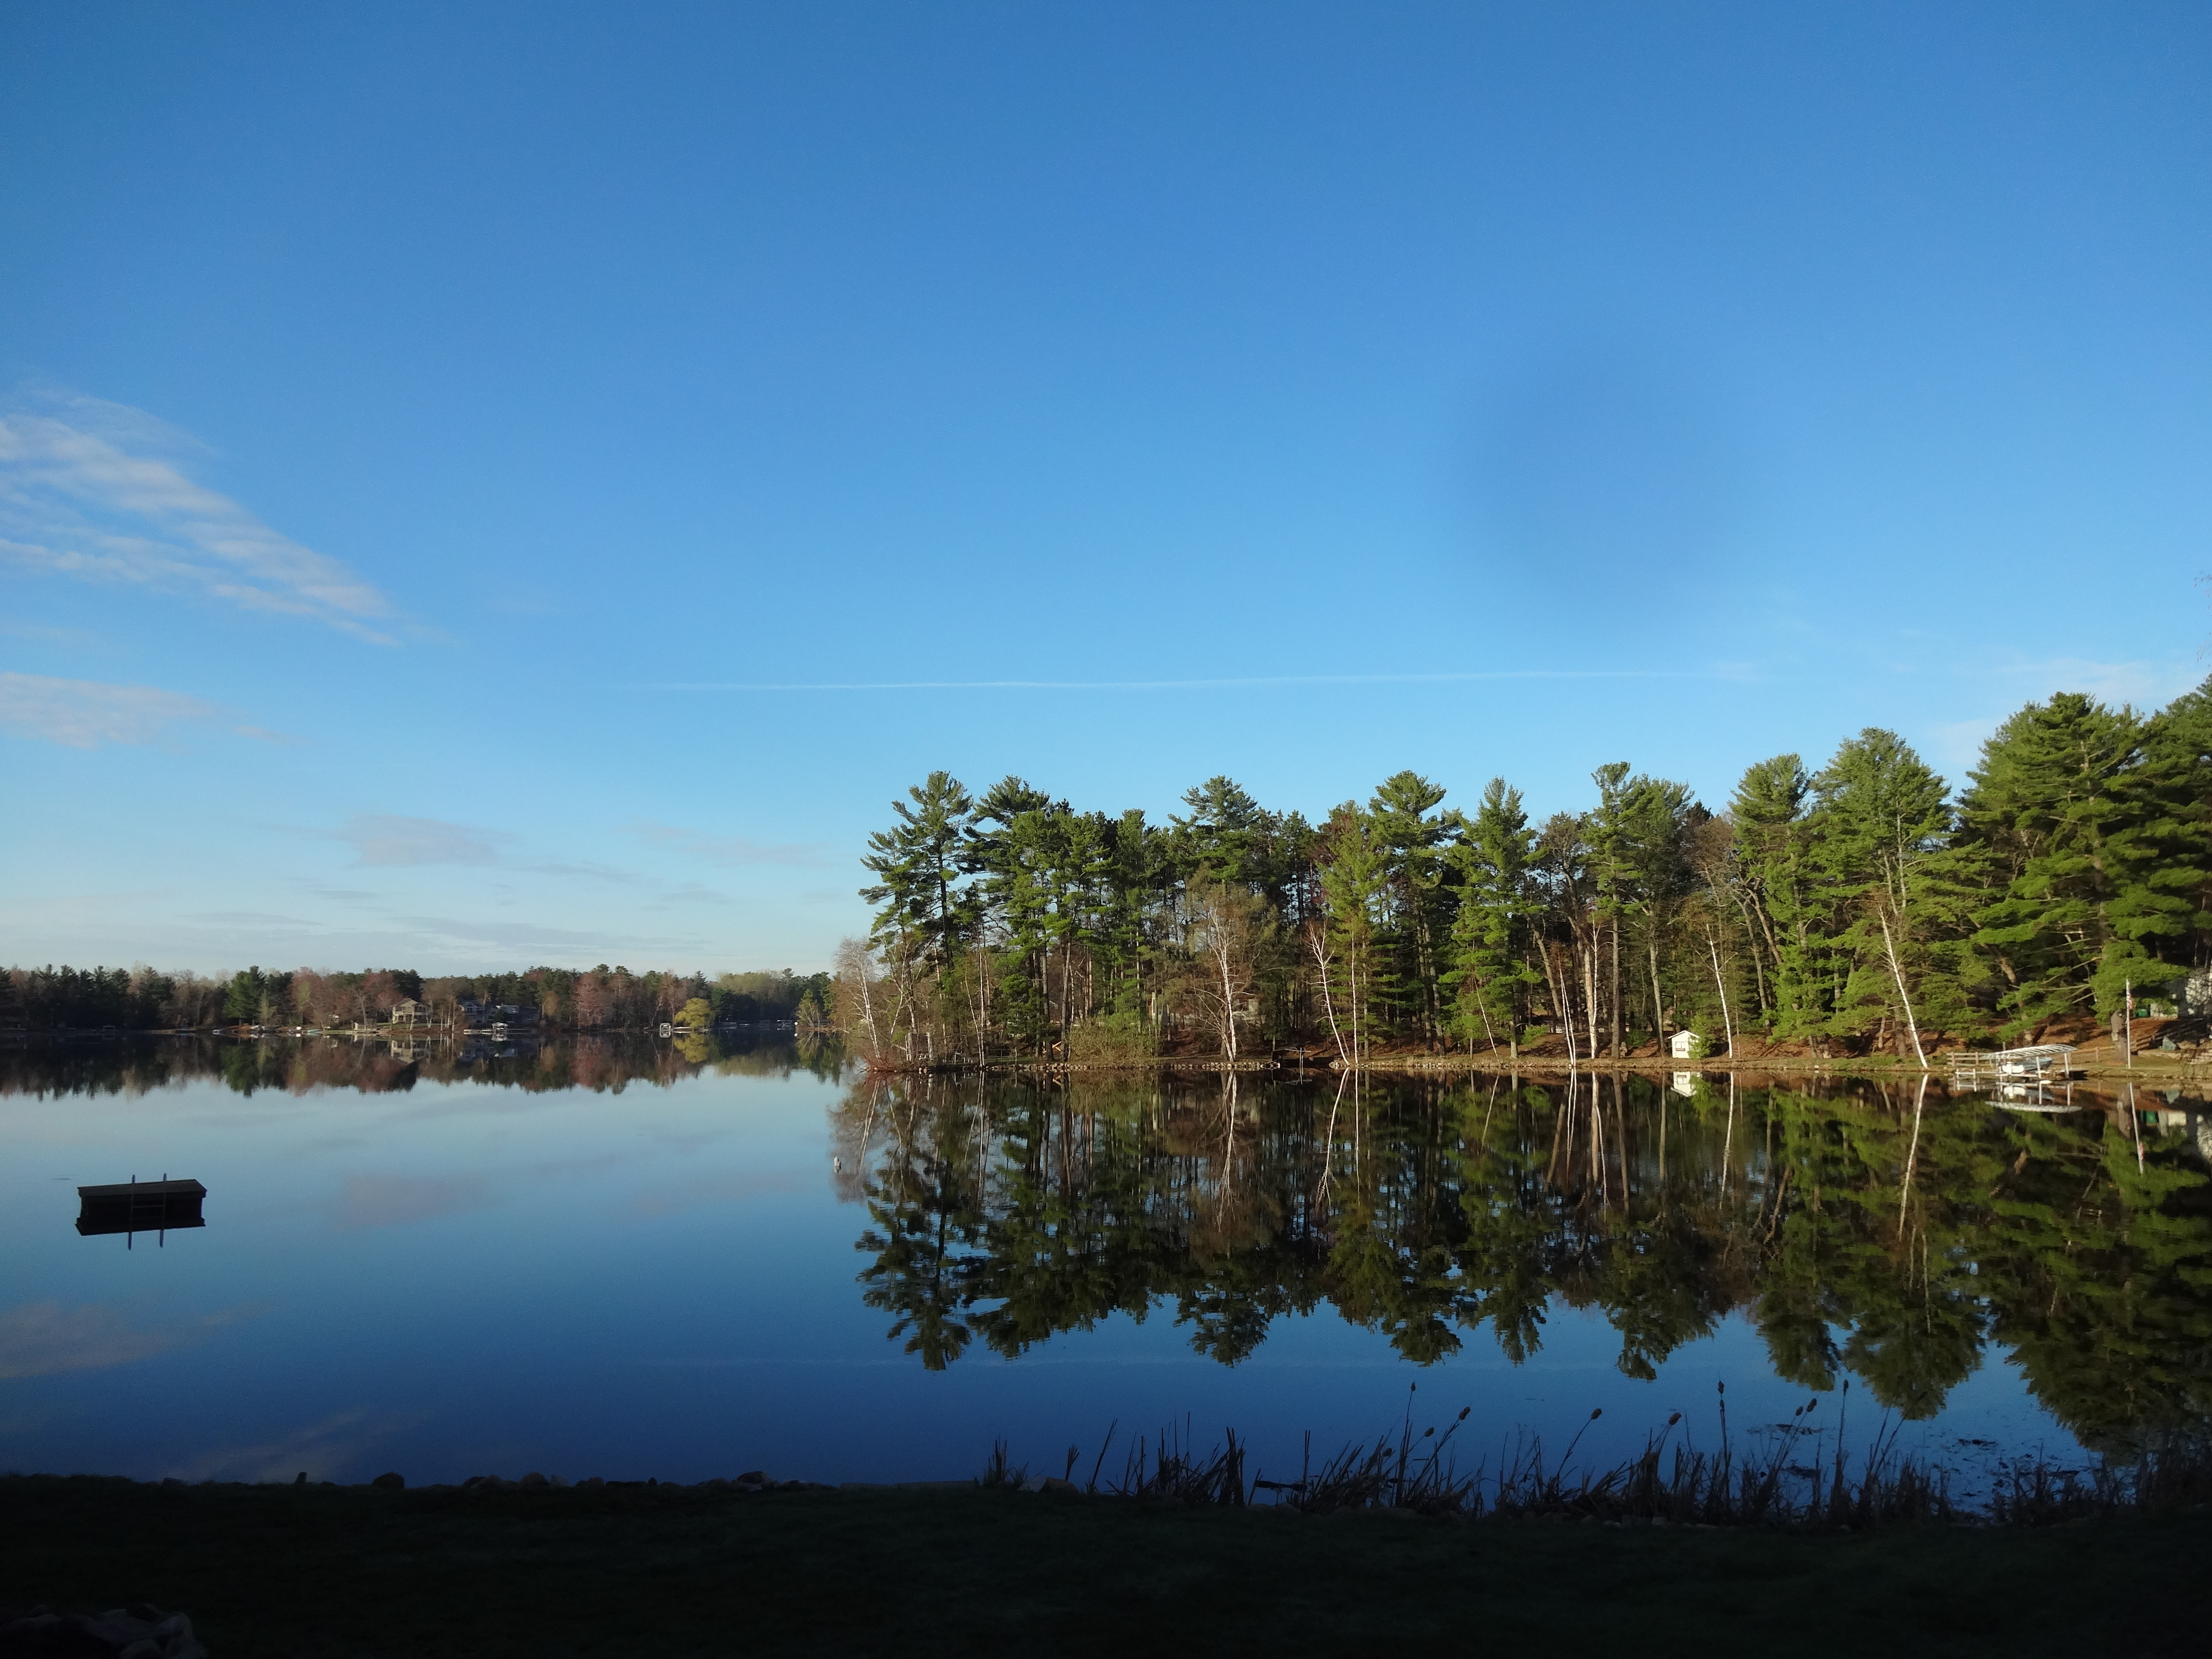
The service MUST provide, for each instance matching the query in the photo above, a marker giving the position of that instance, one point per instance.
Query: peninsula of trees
(1860, 907)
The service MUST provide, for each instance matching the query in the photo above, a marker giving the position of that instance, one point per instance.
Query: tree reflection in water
(1885, 1230)
(608, 1062)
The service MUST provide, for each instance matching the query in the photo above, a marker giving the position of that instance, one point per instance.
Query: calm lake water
(635, 1260)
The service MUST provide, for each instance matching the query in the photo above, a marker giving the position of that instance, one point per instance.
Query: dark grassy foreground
(316, 1570)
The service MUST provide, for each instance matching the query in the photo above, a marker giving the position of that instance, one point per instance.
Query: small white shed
(1686, 1045)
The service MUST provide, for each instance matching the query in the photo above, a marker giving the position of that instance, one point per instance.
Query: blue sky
(459, 461)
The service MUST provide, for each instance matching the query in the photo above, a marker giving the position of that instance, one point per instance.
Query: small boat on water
(140, 1207)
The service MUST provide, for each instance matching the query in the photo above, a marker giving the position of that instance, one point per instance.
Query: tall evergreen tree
(1225, 833)
(2042, 833)
(1417, 901)
(2162, 849)
(1491, 926)
(1656, 819)
(1880, 816)
(918, 862)
(1769, 813)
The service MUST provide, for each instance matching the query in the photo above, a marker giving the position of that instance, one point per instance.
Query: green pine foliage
(1494, 985)
(1859, 909)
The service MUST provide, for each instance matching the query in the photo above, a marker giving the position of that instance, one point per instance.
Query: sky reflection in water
(633, 1261)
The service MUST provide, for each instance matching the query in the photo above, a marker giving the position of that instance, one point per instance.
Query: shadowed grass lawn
(315, 1570)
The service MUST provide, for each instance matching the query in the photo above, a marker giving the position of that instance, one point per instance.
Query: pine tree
(2043, 834)
(1880, 816)
(1490, 933)
(1607, 831)
(2160, 912)
(1226, 833)
(1656, 819)
(1417, 908)
(1771, 842)
(922, 914)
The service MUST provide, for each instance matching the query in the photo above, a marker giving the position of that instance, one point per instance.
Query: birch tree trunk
(1720, 984)
(1222, 951)
(1590, 989)
(1317, 943)
(1614, 1024)
(1658, 1003)
(1889, 945)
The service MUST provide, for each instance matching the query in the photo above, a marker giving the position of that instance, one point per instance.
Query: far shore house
(411, 1012)
(1686, 1045)
(482, 1016)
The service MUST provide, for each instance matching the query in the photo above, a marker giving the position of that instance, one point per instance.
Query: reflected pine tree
(928, 1214)
(1509, 1213)
(1894, 1236)
(609, 1062)
(2099, 1278)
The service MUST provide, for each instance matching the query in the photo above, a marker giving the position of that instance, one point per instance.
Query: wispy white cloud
(38, 1339)
(98, 491)
(380, 838)
(704, 1190)
(693, 892)
(2145, 684)
(341, 895)
(1957, 744)
(584, 871)
(475, 940)
(322, 1450)
(1727, 671)
(727, 849)
(392, 841)
(393, 1200)
(18, 627)
(43, 1338)
(86, 714)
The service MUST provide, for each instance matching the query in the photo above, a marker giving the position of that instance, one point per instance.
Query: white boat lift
(2043, 1062)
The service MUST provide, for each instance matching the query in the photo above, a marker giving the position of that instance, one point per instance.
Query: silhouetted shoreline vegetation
(1857, 910)
(1784, 1477)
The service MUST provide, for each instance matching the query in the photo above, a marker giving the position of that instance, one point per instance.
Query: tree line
(1860, 908)
(598, 998)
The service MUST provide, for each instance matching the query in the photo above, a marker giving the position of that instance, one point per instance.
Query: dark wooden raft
(140, 1207)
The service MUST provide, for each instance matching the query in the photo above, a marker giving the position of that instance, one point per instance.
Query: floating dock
(140, 1207)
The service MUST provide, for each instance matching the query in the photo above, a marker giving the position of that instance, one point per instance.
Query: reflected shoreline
(2151, 1070)
(1900, 1236)
(49, 1065)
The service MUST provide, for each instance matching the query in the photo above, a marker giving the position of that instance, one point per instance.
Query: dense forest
(600, 998)
(1862, 907)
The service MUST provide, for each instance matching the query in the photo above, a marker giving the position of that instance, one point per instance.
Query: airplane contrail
(1253, 681)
